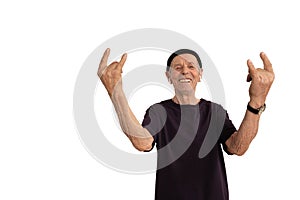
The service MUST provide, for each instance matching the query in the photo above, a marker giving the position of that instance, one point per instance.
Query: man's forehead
(189, 58)
(186, 54)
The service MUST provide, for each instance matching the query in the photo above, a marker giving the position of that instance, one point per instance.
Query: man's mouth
(185, 80)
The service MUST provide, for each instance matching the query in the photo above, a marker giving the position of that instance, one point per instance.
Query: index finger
(266, 61)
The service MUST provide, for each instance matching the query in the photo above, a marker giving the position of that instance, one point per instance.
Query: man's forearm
(239, 142)
(139, 136)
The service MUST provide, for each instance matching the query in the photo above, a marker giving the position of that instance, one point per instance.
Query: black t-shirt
(190, 163)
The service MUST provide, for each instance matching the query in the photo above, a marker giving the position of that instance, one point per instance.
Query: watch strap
(256, 110)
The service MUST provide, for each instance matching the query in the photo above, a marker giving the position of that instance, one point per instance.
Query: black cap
(183, 51)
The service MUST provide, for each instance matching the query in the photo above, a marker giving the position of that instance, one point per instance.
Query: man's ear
(168, 77)
(200, 75)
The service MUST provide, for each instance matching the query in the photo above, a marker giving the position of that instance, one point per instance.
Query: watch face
(262, 109)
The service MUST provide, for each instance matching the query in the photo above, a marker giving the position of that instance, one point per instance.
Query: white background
(43, 45)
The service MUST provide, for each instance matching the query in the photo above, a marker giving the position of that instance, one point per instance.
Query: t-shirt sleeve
(154, 120)
(227, 131)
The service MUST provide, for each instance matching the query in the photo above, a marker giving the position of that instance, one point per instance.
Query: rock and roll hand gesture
(261, 81)
(111, 75)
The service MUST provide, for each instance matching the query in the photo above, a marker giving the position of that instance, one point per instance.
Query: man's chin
(184, 90)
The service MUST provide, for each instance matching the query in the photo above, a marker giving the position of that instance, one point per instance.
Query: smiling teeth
(184, 80)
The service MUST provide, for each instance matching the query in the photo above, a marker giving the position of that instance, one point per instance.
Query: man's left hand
(261, 81)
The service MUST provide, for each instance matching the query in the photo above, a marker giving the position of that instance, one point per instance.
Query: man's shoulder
(165, 102)
(160, 106)
(212, 105)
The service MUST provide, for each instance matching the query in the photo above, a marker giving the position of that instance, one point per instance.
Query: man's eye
(191, 67)
(178, 67)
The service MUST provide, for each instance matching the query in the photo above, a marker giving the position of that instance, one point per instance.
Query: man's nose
(185, 70)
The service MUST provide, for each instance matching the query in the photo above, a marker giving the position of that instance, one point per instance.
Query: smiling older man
(188, 123)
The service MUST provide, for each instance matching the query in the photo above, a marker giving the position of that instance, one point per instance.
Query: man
(188, 125)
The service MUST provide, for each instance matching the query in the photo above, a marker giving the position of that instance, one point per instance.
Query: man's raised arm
(261, 81)
(111, 77)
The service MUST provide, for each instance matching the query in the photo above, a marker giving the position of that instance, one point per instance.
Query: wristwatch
(256, 111)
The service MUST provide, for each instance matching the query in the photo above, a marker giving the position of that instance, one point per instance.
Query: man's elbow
(236, 146)
(143, 148)
(238, 151)
(144, 144)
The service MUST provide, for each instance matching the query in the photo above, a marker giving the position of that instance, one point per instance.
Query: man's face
(184, 73)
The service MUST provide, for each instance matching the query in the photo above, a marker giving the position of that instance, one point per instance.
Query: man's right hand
(111, 75)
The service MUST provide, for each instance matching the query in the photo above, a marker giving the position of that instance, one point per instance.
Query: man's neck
(185, 99)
